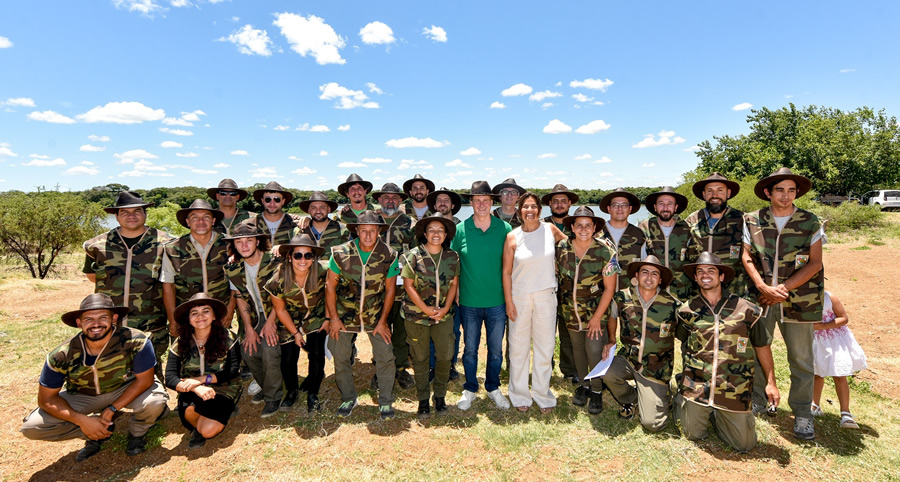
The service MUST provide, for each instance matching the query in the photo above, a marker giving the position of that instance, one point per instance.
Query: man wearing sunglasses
(273, 198)
(228, 195)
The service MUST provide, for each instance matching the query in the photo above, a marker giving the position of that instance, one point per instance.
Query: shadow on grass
(829, 434)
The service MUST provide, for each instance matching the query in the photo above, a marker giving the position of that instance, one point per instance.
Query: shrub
(849, 216)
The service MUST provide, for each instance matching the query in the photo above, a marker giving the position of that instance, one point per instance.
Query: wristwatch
(113, 409)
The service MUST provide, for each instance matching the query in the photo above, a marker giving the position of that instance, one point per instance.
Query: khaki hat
(559, 189)
(127, 199)
(351, 180)
(423, 223)
(508, 182)
(198, 205)
(431, 200)
(418, 177)
(300, 240)
(665, 274)
(680, 199)
(783, 174)
(620, 192)
(318, 196)
(708, 258)
(584, 212)
(700, 185)
(94, 301)
(199, 299)
(273, 187)
(480, 188)
(368, 217)
(226, 185)
(389, 188)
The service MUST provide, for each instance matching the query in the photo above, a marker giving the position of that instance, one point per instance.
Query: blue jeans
(456, 333)
(494, 319)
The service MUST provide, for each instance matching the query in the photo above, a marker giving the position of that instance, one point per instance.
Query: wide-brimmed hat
(226, 185)
(300, 240)
(508, 182)
(559, 189)
(783, 174)
(127, 199)
(247, 228)
(389, 188)
(273, 187)
(318, 196)
(480, 188)
(199, 299)
(680, 199)
(407, 185)
(665, 274)
(368, 217)
(584, 212)
(198, 205)
(423, 223)
(351, 180)
(94, 301)
(620, 192)
(700, 185)
(708, 258)
(431, 199)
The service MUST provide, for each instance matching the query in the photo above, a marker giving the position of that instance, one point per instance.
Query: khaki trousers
(738, 430)
(342, 349)
(652, 397)
(420, 338)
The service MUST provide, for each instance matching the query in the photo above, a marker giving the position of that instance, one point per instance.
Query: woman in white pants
(529, 286)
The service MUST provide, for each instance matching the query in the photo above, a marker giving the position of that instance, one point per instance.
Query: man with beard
(668, 236)
(400, 235)
(105, 368)
(445, 203)
(628, 238)
(509, 193)
(273, 198)
(718, 227)
(228, 195)
(327, 232)
(418, 188)
(354, 189)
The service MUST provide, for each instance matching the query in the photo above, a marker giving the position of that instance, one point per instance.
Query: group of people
(418, 281)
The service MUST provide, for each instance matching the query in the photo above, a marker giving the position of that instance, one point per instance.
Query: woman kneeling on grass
(297, 292)
(203, 367)
(430, 276)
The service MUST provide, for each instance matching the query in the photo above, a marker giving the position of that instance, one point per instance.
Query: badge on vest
(683, 252)
(742, 344)
(734, 252)
(801, 260)
(665, 329)
(595, 288)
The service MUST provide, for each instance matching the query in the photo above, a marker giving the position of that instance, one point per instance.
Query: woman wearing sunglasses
(297, 292)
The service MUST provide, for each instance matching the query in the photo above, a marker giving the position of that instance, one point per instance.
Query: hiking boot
(404, 379)
(196, 440)
(424, 409)
(465, 401)
(258, 398)
(346, 408)
(499, 399)
(91, 448)
(803, 428)
(440, 405)
(312, 403)
(386, 411)
(271, 408)
(581, 396)
(595, 406)
(289, 400)
(454, 374)
(136, 445)
(627, 411)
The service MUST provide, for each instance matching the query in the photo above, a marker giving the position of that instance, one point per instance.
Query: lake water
(466, 211)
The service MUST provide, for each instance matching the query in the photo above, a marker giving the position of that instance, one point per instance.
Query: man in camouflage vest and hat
(327, 232)
(668, 236)
(628, 238)
(445, 203)
(560, 199)
(195, 262)
(105, 368)
(400, 235)
(783, 259)
(124, 263)
(416, 205)
(355, 189)
(280, 225)
(508, 191)
(359, 295)
(646, 317)
(718, 227)
(722, 342)
(227, 195)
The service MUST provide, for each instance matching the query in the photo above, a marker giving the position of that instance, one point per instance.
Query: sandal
(547, 410)
(816, 410)
(522, 408)
(847, 421)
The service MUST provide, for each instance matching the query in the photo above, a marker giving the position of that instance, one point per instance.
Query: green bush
(163, 217)
(849, 216)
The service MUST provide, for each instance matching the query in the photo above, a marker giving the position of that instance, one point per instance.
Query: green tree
(38, 226)
(163, 217)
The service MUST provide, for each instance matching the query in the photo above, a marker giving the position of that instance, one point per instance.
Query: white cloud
(375, 160)
(581, 98)
(282, 128)
(319, 128)
(348, 164)
(304, 171)
(376, 33)
(250, 41)
(295, 158)
(415, 142)
(5, 43)
(177, 132)
(546, 105)
(144, 7)
(593, 127)
(45, 163)
(846, 71)
(323, 153)
(648, 164)
(472, 151)
(81, 171)
(6, 151)
(192, 116)
(95, 138)
(90, 148)
(593, 84)
(174, 121)
(518, 89)
(221, 165)
(498, 105)
(665, 138)
(38, 156)
(311, 36)
(410, 163)
(19, 102)
(435, 33)
(169, 144)
(344, 127)
(51, 117)
(742, 106)
(122, 113)
(547, 155)
(374, 88)
(583, 157)
(347, 99)
(239, 152)
(203, 171)
(603, 160)
(557, 126)
(265, 172)
(457, 163)
(691, 149)
(128, 157)
(187, 154)
(180, 3)
(546, 94)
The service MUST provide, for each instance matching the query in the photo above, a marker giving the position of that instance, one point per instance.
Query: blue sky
(591, 94)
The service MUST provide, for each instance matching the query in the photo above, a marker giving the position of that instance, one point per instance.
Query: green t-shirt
(357, 212)
(481, 259)
(364, 255)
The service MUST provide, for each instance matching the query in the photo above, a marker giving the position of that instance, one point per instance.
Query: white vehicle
(886, 199)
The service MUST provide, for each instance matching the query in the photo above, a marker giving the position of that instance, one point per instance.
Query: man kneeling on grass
(105, 368)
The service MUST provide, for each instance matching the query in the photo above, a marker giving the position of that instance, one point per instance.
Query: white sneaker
(466, 400)
(254, 388)
(816, 410)
(499, 400)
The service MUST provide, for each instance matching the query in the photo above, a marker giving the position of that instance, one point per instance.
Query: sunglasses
(272, 199)
(307, 255)
(228, 193)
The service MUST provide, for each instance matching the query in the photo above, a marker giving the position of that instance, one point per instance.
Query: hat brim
(599, 222)
(632, 199)
(665, 273)
(183, 310)
(342, 188)
(115, 209)
(285, 249)
(71, 318)
(232, 237)
(183, 214)
(258, 194)
(408, 184)
(213, 191)
(545, 199)
(803, 184)
(377, 194)
(691, 269)
(352, 226)
(470, 195)
(422, 224)
(680, 199)
(499, 187)
(699, 186)
(456, 199)
(304, 205)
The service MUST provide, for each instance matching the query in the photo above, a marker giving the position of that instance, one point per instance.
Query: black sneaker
(454, 374)
(346, 408)
(270, 409)
(404, 379)
(258, 398)
(580, 397)
(312, 403)
(196, 440)
(91, 448)
(595, 406)
(386, 411)
(424, 409)
(440, 405)
(136, 445)
(289, 400)
(574, 379)
(245, 373)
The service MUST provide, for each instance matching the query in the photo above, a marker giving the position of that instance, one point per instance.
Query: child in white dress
(836, 354)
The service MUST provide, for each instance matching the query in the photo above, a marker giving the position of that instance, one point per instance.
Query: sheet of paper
(603, 366)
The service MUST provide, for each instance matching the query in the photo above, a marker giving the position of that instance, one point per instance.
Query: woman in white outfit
(529, 286)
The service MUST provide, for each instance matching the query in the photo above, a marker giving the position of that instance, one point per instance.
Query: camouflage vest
(627, 250)
(432, 282)
(347, 216)
(513, 221)
(285, 230)
(307, 309)
(562, 227)
(360, 290)
(131, 276)
(719, 355)
(193, 365)
(777, 256)
(580, 282)
(335, 233)
(224, 226)
(237, 275)
(406, 207)
(400, 234)
(648, 333)
(725, 241)
(192, 275)
(113, 368)
(672, 251)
